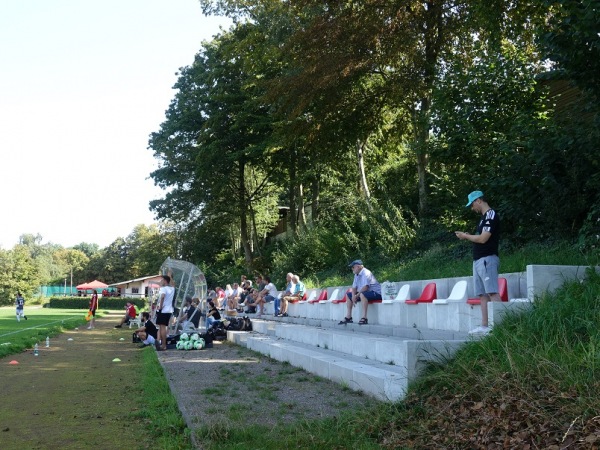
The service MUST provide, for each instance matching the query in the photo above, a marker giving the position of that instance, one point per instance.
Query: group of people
(250, 297)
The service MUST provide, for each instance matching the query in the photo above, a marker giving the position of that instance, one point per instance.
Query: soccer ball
(189, 345)
(202, 343)
(179, 345)
(194, 337)
(184, 337)
(197, 345)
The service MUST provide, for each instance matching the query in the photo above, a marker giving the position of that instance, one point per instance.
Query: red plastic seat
(344, 297)
(502, 287)
(428, 295)
(322, 296)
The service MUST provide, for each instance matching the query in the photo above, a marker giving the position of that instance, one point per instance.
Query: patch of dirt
(73, 395)
(231, 385)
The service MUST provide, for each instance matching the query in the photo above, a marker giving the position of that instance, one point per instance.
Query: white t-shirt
(272, 290)
(169, 291)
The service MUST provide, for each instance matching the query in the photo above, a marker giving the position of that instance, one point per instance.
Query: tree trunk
(316, 195)
(243, 212)
(360, 146)
(301, 212)
(292, 191)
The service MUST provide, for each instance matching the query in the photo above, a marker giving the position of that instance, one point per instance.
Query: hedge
(103, 302)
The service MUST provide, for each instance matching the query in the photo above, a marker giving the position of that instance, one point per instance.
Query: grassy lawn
(42, 322)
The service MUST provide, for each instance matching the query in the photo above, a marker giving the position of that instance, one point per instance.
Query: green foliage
(570, 38)
(111, 303)
(19, 274)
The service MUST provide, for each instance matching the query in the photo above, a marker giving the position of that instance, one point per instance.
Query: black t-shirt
(214, 312)
(151, 329)
(490, 222)
(194, 318)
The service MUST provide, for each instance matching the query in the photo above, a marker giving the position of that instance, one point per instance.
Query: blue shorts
(370, 296)
(269, 298)
(485, 275)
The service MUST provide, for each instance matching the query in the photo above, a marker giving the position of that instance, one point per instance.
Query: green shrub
(104, 303)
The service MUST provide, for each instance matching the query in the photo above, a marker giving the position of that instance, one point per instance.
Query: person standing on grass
(365, 289)
(20, 302)
(486, 261)
(164, 310)
(93, 308)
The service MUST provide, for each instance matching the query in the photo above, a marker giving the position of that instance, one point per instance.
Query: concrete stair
(377, 360)
(382, 358)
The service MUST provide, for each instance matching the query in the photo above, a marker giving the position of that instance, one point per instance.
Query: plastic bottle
(35, 350)
(47, 341)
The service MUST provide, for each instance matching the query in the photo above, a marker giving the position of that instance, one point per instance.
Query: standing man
(20, 302)
(93, 308)
(365, 289)
(485, 256)
(164, 310)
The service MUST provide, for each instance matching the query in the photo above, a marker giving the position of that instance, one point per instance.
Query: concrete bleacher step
(396, 348)
(383, 330)
(378, 364)
(383, 381)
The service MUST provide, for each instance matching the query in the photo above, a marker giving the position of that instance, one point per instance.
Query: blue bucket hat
(474, 196)
(355, 262)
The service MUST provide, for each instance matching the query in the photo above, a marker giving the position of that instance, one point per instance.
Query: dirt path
(229, 386)
(73, 395)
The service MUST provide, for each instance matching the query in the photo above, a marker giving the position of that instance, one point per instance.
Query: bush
(104, 302)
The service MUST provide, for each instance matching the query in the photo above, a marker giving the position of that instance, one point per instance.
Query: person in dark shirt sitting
(212, 315)
(192, 313)
(147, 332)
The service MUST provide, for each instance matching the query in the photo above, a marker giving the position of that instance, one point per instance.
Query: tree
(19, 274)
(216, 131)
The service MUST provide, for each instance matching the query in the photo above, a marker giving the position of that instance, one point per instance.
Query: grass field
(41, 322)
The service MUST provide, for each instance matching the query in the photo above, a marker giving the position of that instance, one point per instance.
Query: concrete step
(408, 349)
(383, 381)
(412, 332)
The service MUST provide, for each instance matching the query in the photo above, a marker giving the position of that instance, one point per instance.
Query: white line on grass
(37, 326)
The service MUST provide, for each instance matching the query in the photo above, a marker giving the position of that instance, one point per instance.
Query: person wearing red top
(129, 314)
(93, 308)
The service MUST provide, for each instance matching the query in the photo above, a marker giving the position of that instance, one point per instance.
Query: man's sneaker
(283, 315)
(480, 330)
(25, 317)
(118, 326)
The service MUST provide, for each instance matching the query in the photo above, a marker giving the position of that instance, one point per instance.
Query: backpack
(235, 324)
(247, 324)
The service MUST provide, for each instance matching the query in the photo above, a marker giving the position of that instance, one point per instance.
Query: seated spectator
(228, 291)
(365, 289)
(267, 295)
(220, 300)
(130, 313)
(297, 294)
(233, 299)
(147, 332)
(192, 313)
(212, 315)
(250, 299)
(289, 290)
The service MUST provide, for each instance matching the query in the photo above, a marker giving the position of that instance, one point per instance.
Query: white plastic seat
(458, 294)
(403, 295)
(334, 296)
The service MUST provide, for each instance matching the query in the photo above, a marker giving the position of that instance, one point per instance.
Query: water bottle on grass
(36, 350)
(47, 341)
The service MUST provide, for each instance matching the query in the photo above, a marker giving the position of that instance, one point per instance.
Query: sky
(82, 85)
